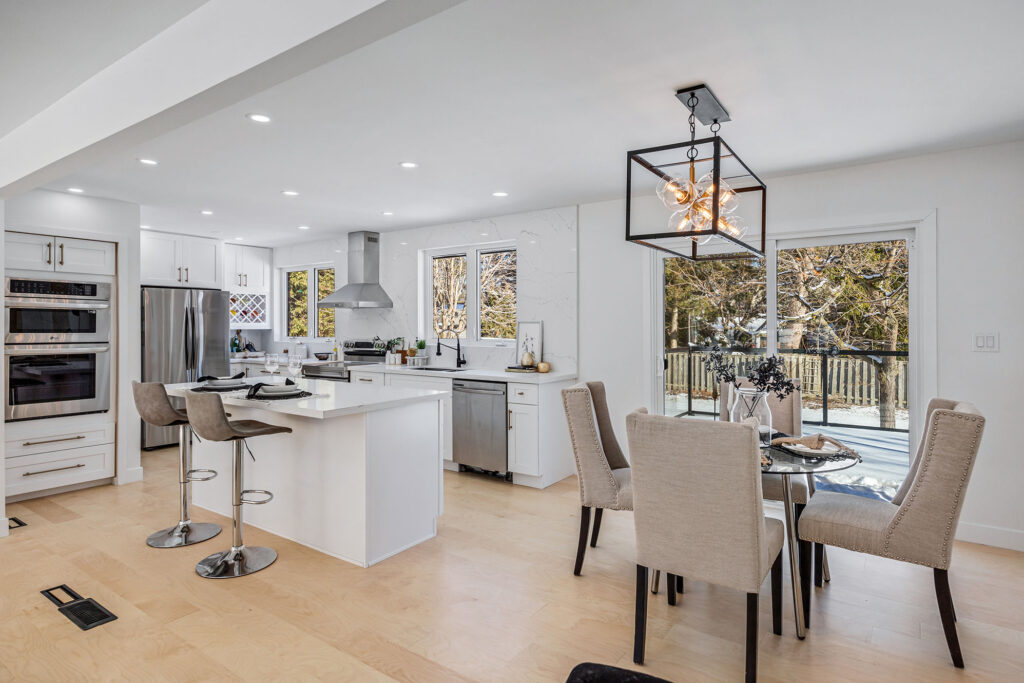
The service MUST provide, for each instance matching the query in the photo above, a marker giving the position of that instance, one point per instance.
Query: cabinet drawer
(367, 378)
(41, 471)
(45, 440)
(522, 393)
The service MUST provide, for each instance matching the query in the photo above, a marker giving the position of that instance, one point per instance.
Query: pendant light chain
(691, 104)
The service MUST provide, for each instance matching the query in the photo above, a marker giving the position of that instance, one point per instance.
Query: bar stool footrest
(247, 501)
(190, 475)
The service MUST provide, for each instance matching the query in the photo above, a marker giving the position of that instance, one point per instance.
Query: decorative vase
(543, 367)
(527, 360)
(748, 402)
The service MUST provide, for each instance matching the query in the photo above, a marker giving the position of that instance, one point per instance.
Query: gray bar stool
(156, 409)
(210, 422)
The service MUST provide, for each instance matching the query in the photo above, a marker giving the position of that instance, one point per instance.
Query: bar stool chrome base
(236, 562)
(183, 534)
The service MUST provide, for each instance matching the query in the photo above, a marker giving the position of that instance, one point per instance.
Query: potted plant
(767, 377)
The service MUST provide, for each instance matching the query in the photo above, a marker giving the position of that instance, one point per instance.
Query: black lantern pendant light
(691, 198)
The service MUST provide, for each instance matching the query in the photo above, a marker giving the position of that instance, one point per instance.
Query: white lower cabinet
(356, 377)
(523, 439)
(436, 383)
(46, 454)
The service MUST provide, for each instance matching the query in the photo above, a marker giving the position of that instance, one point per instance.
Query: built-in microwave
(50, 380)
(56, 312)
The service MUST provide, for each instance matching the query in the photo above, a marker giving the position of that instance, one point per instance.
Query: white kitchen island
(359, 477)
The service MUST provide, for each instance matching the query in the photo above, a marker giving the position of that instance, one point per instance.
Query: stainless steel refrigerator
(185, 335)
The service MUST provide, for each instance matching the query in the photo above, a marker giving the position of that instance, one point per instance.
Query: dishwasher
(480, 425)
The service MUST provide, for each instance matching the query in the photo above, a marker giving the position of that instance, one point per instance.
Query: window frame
(312, 318)
(472, 253)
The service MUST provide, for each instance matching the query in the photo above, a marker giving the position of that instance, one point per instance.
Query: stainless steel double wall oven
(57, 348)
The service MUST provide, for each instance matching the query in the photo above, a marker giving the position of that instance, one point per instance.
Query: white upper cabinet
(202, 262)
(86, 256)
(26, 251)
(246, 269)
(180, 261)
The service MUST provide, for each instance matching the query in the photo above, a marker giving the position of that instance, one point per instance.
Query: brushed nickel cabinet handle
(365, 379)
(66, 438)
(247, 279)
(55, 469)
(179, 273)
(61, 262)
(509, 420)
(49, 253)
(186, 273)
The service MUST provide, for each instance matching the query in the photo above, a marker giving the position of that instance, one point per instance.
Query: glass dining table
(788, 464)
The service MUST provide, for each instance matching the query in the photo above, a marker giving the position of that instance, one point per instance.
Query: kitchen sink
(437, 369)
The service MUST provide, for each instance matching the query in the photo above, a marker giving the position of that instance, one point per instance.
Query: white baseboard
(4, 530)
(1001, 537)
(129, 476)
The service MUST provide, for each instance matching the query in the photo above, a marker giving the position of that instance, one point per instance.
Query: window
(470, 293)
(301, 299)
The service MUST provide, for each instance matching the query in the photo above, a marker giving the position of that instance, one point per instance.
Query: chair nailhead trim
(583, 391)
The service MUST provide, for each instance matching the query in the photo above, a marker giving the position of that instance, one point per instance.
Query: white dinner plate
(226, 382)
(285, 390)
(828, 449)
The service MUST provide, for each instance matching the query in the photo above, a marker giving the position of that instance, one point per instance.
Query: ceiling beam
(223, 52)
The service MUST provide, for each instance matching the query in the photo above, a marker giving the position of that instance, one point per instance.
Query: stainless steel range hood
(363, 289)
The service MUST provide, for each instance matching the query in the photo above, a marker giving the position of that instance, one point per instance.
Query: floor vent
(15, 523)
(85, 613)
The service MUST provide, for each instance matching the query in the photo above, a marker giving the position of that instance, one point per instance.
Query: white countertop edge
(472, 373)
(341, 398)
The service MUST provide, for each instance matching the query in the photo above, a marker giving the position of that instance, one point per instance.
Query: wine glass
(271, 362)
(294, 366)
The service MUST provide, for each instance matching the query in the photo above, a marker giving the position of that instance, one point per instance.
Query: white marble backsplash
(546, 283)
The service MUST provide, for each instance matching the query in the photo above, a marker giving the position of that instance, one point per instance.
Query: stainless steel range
(363, 350)
(337, 371)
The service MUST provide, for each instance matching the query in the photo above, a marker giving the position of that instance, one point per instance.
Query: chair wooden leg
(582, 548)
(777, 595)
(597, 527)
(640, 629)
(751, 637)
(819, 560)
(945, 599)
(670, 581)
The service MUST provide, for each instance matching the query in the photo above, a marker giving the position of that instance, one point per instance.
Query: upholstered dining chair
(602, 468)
(788, 418)
(919, 525)
(683, 468)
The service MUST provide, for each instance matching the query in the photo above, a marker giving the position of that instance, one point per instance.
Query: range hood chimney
(363, 289)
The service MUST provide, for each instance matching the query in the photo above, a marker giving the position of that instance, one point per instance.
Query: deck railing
(837, 380)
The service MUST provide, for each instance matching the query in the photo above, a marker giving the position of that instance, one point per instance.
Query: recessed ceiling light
(337, 251)
(206, 212)
(403, 243)
(76, 190)
(303, 227)
(387, 213)
(144, 227)
(239, 239)
(483, 234)
(408, 164)
(147, 162)
(499, 194)
(289, 193)
(258, 118)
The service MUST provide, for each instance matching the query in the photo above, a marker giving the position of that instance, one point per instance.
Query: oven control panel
(52, 288)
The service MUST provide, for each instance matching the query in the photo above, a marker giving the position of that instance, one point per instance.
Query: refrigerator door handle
(189, 347)
(198, 336)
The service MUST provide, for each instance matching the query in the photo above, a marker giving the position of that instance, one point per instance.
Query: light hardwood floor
(492, 598)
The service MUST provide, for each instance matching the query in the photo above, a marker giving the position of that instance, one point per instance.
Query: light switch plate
(985, 342)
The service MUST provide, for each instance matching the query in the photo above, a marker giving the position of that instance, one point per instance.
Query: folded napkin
(255, 388)
(206, 378)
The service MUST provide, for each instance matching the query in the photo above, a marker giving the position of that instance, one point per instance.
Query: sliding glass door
(836, 310)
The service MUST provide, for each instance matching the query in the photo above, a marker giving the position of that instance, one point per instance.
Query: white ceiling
(48, 47)
(542, 99)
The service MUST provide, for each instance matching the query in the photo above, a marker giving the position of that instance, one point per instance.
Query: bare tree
(498, 295)
(449, 281)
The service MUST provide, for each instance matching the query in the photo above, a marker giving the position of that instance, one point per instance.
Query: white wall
(57, 213)
(546, 284)
(980, 245)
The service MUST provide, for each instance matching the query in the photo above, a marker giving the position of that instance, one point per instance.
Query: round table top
(785, 462)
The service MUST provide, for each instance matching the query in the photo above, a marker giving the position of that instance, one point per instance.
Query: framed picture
(530, 337)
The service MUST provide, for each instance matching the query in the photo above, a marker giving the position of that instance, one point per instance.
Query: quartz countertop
(330, 399)
(472, 373)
